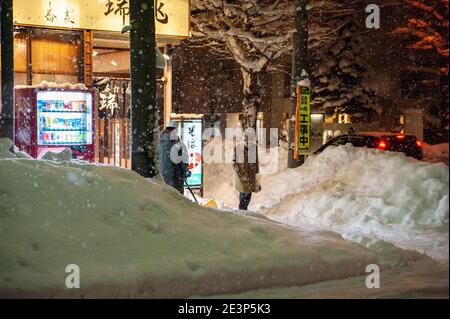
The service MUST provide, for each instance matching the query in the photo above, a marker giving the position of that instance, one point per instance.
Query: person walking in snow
(246, 167)
(173, 158)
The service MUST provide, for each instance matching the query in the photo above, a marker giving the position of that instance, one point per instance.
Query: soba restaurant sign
(171, 16)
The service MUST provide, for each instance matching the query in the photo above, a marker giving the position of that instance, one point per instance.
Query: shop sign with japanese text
(303, 120)
(114, 99)
(192, 138)
(171, 16)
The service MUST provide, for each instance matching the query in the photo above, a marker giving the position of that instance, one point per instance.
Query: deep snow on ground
(132, 237)
(436, 153)
(219, 177)
(363, 194)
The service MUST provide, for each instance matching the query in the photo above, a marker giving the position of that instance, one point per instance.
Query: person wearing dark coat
(246, 171)
(173, 158)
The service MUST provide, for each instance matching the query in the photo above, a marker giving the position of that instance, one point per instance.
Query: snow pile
(5, 147)
(219, 178)
(365, 195)
(435, 153)
(64, 155)
(132, 237)
(276, 184)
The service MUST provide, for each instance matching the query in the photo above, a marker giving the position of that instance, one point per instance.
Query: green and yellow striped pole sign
(303, 121)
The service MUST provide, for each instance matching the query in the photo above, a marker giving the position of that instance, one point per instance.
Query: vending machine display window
(64, 118)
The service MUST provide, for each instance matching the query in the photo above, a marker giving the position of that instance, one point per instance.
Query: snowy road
(423, 281)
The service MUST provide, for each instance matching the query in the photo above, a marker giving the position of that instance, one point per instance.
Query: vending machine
(53, 120)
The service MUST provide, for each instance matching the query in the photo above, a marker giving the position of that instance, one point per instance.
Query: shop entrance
(111, 69)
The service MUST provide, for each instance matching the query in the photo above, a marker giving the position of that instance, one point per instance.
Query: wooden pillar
(29, 57)
(168, 68)
(87, 72)
(86, 77)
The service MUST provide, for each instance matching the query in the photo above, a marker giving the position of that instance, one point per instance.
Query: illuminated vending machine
(53, 120)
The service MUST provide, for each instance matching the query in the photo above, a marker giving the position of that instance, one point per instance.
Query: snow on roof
(53, 85)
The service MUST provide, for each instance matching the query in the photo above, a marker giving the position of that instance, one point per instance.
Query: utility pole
(299, 63)
(7, 74)
(144, 121)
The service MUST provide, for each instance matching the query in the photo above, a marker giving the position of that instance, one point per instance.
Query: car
(410, 145)
(354, 139)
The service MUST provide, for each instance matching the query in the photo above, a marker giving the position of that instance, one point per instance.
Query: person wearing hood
(173, 158)
(246, 167)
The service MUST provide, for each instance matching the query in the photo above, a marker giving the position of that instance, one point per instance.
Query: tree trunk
(299, 63)
(252, 98)
(144, 119)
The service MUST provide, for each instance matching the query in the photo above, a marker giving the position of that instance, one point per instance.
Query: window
(55, 56)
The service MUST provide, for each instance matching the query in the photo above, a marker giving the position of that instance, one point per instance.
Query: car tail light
(382, 145)
(419, 143)
(400, 137)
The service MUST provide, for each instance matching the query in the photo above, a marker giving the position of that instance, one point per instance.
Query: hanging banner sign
(172, 17)
(303, 120)
(114, 99)
(192, 138)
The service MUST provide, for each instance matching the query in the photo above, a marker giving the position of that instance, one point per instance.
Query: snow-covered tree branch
(428, 29)
(255, 33)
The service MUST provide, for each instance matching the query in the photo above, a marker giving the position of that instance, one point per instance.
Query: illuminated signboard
(192, 138)
(303, 123)
(171, 16)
